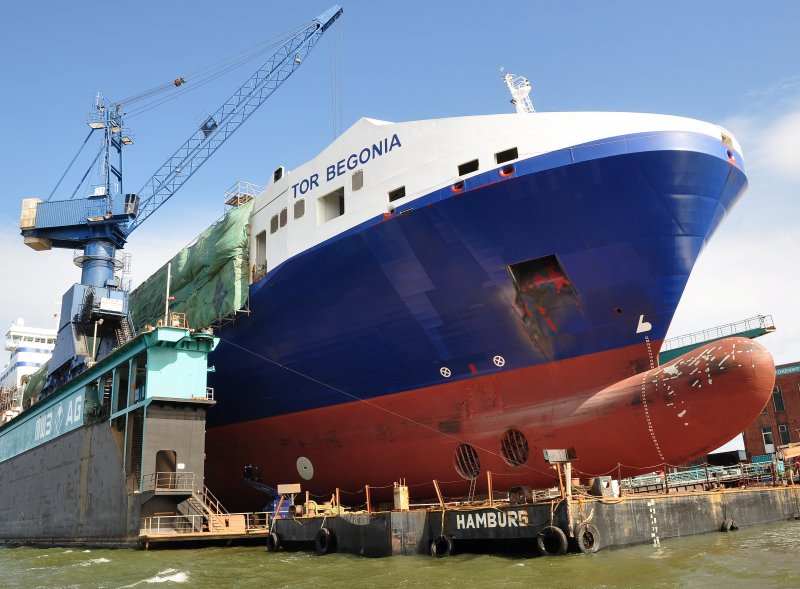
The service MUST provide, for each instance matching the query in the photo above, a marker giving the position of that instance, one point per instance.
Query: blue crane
(99, 225)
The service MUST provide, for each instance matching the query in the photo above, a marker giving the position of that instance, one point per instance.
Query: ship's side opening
(467, 462)
(331, 205)
(397, 194)
(507, 155)
(514, 448)
(468, 167)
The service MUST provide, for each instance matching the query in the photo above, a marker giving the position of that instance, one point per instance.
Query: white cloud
(751, 265)
(770, 144)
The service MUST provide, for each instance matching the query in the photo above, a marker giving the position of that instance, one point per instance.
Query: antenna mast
(519, 87)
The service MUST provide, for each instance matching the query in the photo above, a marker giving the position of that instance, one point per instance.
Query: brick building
(779, 423)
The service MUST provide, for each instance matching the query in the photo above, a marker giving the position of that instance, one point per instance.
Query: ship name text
(344, 165)
(492, 519)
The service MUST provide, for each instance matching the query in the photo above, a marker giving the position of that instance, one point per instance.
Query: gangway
(750, 328)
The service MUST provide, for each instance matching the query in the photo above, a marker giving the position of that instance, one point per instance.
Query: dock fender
(728, 525)
(551, 541)
(325, 541)
(273, 542)
(442, 546)
(587, 538)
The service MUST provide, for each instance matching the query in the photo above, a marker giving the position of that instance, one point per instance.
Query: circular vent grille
(514, 447)
(468, 465)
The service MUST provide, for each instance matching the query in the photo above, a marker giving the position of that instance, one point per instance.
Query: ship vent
(514, 447)
(468, 465)
(299, 208)
(358, 180)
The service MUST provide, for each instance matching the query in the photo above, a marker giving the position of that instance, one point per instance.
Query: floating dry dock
(529, 522)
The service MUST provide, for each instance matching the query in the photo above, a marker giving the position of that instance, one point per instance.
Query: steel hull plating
(506, 305)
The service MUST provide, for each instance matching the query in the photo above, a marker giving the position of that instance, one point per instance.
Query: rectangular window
(397, 193)
(273, 224)
(284, 215)
(358, 180)
(766, 433)
(261, 249)
(299, 208)
(506, 156)
(777, 398)
(783, 432)
(468, 168)
(331, 205)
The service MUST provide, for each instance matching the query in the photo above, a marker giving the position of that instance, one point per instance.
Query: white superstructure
(376, 166)
(30, 348)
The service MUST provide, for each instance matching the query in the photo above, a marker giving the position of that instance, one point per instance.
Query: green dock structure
(750, 328)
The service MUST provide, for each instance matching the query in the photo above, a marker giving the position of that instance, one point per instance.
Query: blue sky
(734, 63)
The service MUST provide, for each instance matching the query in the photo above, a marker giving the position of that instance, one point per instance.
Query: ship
(439, 299)
(431, 300)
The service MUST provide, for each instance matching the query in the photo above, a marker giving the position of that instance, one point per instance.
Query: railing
(698, 475)
(758, 322)
(170, 481)
(185, 482)
(211, 502)
(199, 524)
(171, 524)
(242, 192)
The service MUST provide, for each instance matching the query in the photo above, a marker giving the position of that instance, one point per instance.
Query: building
(779, 423)
(30, 348)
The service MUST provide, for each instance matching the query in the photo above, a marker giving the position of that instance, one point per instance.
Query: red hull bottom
(665, 416)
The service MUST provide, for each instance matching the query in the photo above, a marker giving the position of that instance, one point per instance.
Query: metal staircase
(197, 509)
(124, 333)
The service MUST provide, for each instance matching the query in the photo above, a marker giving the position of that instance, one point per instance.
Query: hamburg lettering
(492, 519)
(344, 165)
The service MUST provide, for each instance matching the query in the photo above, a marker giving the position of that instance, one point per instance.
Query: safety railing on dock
(186, 482)
(759, 322)
(171, 524)
(233, 523)
(699, 475)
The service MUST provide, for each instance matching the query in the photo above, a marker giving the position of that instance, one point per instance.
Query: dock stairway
(124, 332)
(197, 510)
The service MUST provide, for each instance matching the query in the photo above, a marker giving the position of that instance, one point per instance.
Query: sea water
(762, 556)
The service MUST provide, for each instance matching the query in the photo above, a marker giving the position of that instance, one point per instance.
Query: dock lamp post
(558, 457)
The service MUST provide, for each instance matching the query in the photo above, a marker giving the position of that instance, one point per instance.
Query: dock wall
(68, 491)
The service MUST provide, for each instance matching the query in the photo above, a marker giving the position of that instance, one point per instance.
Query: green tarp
(210, 278)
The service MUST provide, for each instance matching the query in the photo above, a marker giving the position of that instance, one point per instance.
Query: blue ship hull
(384, 307)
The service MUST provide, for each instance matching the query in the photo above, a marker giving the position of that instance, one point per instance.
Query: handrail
(185, 482)
(729, 329)
(194, 524)
(698, 475)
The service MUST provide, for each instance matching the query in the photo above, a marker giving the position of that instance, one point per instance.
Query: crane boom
(188, 158)
(96, 309)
